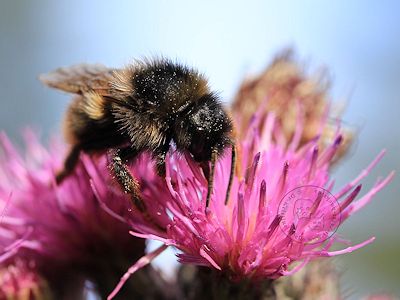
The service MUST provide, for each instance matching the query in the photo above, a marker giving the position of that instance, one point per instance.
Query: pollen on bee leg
(126, 181)
(131, 186)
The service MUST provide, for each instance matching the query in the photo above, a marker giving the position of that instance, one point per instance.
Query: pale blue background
(357, 40)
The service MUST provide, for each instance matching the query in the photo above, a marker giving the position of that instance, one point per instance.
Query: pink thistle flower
(21, 281)
(252, 236)
(77, 230)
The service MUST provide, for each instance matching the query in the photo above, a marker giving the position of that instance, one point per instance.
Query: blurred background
(359, 42)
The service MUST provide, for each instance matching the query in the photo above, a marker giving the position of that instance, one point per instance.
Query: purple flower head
(21, 281)
(281, 214)
(78, 229)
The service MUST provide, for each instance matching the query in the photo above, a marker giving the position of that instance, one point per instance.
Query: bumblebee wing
(80, 79)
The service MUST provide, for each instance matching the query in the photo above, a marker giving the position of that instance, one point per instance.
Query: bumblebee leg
(231, 175)
(160, 159)
(128, 183)
(211, 176)
(160, 164)
(124, 177)
(69, 164)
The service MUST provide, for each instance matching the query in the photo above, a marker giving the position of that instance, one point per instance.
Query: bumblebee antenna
(214, 154)
(231, 175)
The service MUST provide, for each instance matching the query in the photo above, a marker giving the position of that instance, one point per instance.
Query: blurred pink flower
(260, 233)
(78, 229)
(21, 281)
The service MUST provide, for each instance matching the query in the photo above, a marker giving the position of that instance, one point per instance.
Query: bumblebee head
(203, 128)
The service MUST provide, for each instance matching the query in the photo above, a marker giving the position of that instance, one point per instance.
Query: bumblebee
(142, 107)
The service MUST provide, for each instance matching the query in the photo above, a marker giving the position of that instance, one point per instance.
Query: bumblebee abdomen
(87, 129)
